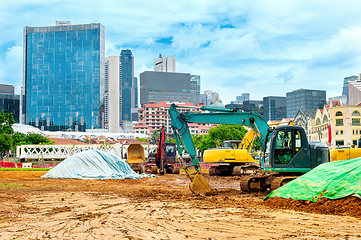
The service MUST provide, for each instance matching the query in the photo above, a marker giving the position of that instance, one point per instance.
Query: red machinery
(165, 159)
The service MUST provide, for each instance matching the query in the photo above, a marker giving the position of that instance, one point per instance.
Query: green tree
(6, 130)
(197, 139)
(155, 136)
(6, 122)
(19, 138)
(6, 143)
(170, 140)
(36, 138)
(141, 139)
(217, 135)
(29, 139)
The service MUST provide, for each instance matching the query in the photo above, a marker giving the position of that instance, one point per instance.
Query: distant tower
(164, 64)
(345, 91)
(111, 102)
(243, 98)
(196, 87)
(215, 97)
(208, 94)
(136, 92)
(127, 93)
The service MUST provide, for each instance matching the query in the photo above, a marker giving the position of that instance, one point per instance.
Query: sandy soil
(152, 208)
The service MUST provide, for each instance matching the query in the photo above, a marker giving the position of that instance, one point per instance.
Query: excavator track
(152, 169)
(212, 171)
(172, 169)
(244, 183)
(221, 170)
(280, 181)
(257, 182)
(244, 170)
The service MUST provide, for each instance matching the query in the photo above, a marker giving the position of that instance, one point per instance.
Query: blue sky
(265, 48)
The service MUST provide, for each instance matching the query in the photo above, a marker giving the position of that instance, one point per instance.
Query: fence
(57, 153)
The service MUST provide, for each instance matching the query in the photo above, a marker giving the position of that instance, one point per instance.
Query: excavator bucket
(199, 185)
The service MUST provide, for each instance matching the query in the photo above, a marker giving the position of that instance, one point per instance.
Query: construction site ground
(162, 208)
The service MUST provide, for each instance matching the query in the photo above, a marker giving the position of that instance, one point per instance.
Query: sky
(263, 47)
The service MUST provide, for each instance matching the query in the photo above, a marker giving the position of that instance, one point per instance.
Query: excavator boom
(222, 116)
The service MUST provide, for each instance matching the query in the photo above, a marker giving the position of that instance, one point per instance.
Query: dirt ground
(160, 208)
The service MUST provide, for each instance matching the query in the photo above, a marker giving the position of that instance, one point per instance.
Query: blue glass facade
(9, 103)
(127, 84)
(64, 76)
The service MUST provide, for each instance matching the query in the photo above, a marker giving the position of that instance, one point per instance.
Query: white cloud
(236, 46)
(149, 41)
(111, 48)
(342, 50)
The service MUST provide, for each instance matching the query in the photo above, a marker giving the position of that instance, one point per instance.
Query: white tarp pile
(94, 164)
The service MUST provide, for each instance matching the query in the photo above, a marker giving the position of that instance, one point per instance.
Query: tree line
(213, 139)
(10, 139)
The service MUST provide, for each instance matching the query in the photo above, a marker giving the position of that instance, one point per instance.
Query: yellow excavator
(234, 158)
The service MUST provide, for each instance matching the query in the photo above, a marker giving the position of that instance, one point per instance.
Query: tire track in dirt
(154, 209)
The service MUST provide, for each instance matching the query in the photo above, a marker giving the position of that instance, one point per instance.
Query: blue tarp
(94, 164)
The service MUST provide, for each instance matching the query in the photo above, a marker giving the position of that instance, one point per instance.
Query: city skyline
(266, 49)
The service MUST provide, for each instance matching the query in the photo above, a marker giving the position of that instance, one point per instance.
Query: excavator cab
(233, 144)
(288, 150)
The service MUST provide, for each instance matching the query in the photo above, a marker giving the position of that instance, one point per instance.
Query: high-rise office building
(164, 64)
(136, 93)
(354, 88)
(345, 91)
(304, 99)
(127, 85)
(165, 86)
(196, 87)
(111, 103)
(244, 97)
(208, 97)
(274, 108)
(9, 101)
(63, 76)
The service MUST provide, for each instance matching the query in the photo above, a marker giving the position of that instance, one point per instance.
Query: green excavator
(287, 153)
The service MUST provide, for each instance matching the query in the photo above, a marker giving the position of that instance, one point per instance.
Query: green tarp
(331, 180)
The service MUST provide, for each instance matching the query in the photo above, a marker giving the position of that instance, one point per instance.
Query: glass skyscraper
(63, 76)
(196, 88)
(274, 108)
(9, 101)
(304, 99)
(127, 85)
(166, 86)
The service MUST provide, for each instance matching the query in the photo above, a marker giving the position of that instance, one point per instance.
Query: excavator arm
(248, 140)
(181, 132)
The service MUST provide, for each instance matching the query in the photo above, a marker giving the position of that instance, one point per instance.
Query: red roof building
(153, 116)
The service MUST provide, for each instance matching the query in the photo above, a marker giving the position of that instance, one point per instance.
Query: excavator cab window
(298, 141)
(170, 150)
(226, 144)
(267, 151)
(283, 147)
(234, 145)
(231, 144)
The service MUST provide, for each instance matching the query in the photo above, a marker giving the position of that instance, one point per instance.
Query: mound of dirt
(348, 206)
